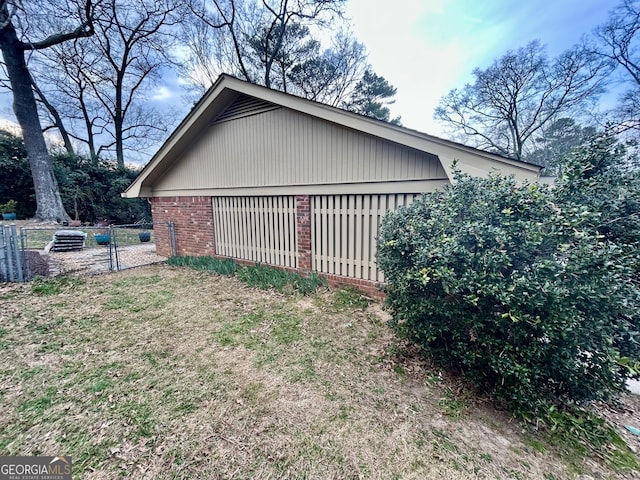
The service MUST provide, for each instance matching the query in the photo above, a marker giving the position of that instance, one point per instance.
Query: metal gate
(93, 249)
(134, 245)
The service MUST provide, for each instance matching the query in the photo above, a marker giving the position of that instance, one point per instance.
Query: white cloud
(427, 47)
(162, 93)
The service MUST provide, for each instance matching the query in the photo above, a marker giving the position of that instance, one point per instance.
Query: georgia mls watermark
(35, 468)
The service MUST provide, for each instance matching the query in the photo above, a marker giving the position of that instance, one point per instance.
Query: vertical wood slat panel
(324, 262)
(351, 236)
(331, 220)
(368, 242)
(260, 229)
(343, 234)
(345, 229)
(314, 229)
(358, 237)
(292, 232)
(277, 225)
(378, 206)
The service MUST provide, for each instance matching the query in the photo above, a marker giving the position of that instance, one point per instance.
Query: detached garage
(263, 176)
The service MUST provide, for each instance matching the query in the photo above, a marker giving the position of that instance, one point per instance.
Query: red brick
(193, 219)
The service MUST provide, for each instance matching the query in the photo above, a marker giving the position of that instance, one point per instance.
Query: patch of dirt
(622, 413)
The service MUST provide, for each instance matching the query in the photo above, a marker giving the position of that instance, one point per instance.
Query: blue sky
(427, 47)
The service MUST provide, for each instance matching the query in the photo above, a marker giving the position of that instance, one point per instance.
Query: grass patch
(54, 286)
(168, 373)
(259, 275)
(221, 266)
(350, 297)
(453, 406)
(38, 405)
(283, 281)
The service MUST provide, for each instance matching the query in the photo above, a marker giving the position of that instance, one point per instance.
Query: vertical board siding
(282, 147)
(260, 229)
(344, 230)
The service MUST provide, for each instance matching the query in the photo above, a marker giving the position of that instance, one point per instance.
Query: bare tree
(258, 33)
(66, 93)
(514, 98)
(134, 40)
(331, 77)
(619, 42)
(15, 42)
(101, 85)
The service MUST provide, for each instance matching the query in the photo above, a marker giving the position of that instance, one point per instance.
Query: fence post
(23, 254)
(11, 257)
(114, 238)
(17, 258)
(172, 239)
(11, 273)
(4, 264)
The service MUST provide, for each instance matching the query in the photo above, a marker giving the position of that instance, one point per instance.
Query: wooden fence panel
(260, 229)
(344, 230)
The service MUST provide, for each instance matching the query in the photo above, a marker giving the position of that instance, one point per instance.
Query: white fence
(260, 229)
(344, 230)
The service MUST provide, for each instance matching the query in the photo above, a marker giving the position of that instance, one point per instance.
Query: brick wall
(303, 231)
(193, 219)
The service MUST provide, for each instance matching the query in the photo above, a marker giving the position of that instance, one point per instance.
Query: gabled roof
(231, 97)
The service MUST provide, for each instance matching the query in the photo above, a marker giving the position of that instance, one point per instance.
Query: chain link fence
(85, 250)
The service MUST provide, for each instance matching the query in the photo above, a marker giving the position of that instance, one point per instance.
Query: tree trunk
(118, 119)
(57, 119)
(48, 199)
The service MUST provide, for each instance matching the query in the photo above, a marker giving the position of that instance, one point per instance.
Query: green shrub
(221, 266)
(261, 276)
(531, 292)
(9, 206)
(91, 188)
(15, 172)
(264, 276)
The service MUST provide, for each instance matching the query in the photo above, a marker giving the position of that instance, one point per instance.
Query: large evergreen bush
(89, 188)
(529, 291)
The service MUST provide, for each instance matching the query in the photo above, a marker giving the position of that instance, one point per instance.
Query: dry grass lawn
(167, 373)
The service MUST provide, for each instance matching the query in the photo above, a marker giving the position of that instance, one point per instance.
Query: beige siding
(283, 147)
(261, 229)
(344, 230)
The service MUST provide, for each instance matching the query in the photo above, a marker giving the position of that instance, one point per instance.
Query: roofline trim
(445, 149)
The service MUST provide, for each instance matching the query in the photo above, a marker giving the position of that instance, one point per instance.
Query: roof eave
(213, 102)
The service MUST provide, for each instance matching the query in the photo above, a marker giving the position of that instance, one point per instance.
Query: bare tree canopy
(101, 85)
(511, 101)
(619, 41)
(271, 42)
(258, 31)
(72, 20)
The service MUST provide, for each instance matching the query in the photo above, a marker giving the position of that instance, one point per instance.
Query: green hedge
(530, 292)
